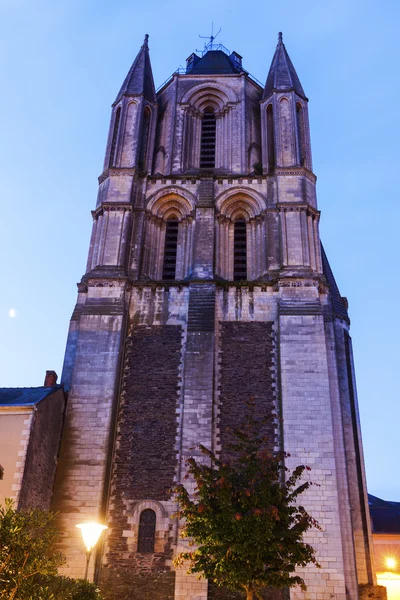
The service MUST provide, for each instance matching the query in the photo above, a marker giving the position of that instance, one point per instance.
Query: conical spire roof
(139, 80)
(282, 76)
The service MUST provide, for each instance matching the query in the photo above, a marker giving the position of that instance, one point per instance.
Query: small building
(31, 421)
(385, 521)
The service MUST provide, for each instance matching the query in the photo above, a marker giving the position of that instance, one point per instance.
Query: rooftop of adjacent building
(29, 396)
(385, 515)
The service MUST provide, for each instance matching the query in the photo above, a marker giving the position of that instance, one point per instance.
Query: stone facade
(157, 364)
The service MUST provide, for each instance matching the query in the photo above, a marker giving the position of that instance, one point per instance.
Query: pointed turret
(284, 116)
(134, 117)
(139, 80)
(282, 76)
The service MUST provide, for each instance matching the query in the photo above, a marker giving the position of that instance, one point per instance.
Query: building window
(239, 251)
(170, 248)
(207, 150)
(300, 133)
(147, 531)
(145, 139)
(112, 161)
(270, 138)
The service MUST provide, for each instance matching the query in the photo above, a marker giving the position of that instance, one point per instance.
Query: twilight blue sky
(61, 66)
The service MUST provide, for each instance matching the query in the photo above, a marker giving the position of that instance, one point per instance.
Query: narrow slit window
(147, 531)
(300, 133)
(170, 249)
(112, 161)
(239, 251)
(270, 138)
(145, 139)
(208, 131)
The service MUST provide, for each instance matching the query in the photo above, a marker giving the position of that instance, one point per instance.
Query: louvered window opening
(111, 162)
(207, 151)
(147, 531)
(171, 244)
(240, 251)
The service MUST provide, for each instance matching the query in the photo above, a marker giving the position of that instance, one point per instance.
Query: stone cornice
(233, 177)
(295, 171)
(111, 207)
(298, 207)
(118, 172)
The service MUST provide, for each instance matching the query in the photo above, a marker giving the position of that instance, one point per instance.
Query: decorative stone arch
(232, 206)
(194, 103)
(186, 200)
(162, 241)
(220, 94)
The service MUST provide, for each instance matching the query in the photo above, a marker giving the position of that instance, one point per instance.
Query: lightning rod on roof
(208, 45)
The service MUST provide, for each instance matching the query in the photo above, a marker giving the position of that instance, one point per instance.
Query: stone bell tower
(206, 284)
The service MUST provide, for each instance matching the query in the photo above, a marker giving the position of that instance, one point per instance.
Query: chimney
(51, 379)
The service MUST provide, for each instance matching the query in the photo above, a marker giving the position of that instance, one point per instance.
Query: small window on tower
(112, 161)
(208, 130)
(239, 251)
(170, 249)
(270, 138)
(300, 133)
(145, 139)
(147, 531)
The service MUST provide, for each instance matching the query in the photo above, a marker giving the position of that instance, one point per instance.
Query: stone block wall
(82, 473)
(42, 453)
(308, 437)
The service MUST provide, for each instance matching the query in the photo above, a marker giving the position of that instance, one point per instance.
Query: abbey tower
(206, 284)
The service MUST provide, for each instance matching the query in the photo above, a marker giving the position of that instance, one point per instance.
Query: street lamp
(390, 563)
(90, 534)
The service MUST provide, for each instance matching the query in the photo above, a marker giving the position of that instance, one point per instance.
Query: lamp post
(90, 533)
(390, 563)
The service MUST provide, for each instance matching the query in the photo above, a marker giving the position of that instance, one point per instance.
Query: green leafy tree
(29, 559)
(244, 518)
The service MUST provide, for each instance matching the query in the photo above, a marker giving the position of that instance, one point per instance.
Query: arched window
(207, 150)
(170, 248)
(111, 162)
(270, 138)
(239, 250)
(147, 531)
(145, 139)
(300, 133)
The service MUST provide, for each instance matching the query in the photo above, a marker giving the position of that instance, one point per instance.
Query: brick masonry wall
(246, 370)
(41, 460)
(144, 464)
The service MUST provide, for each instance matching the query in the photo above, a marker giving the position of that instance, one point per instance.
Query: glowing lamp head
(91, 533)
(390, 563)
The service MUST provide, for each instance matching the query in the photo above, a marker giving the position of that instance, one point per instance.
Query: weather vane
(209, 37)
